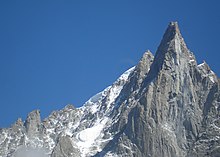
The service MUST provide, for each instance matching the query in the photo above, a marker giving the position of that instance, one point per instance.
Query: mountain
(165, 106)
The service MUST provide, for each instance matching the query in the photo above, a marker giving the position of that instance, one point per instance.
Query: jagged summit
(173, 28)
(143, 64)
(172, 41)
(165, 106)
(172, 53)
(171, 32)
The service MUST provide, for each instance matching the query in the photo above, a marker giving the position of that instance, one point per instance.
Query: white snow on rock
(90, 139)
(201, 65)
(87, 126)
(110, 92)
(207, 72)
(89, 135)
(212, 76)
(87, 138)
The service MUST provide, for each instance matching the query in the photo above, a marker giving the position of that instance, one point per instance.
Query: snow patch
(211, 76)
(207, 72)
(87, 138)
(90, 134)
(201, 65)
(192, 60)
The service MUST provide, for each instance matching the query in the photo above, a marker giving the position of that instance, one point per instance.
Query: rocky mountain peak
(147, 56)
(144, 64)
(19, 122)
(33, 122)
(165, 106)
(172, 33)
(205, 71)
(173, 29)
(172, 43)
(172, 55)
(204, 67)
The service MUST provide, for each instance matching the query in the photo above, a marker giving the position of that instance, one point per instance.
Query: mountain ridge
(166, 105)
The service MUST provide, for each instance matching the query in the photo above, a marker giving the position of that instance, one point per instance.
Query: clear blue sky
(56, 52)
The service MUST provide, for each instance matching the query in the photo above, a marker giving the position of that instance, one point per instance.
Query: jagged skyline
(167, 105)
(60, 53)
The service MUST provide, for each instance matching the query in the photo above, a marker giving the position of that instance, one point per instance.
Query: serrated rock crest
(165, 106)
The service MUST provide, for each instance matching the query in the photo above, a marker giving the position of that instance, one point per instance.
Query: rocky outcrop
(65, 148)
(165, 106)
(175, 111)
(33, 123)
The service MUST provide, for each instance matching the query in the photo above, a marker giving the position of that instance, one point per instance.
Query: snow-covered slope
(85, 126)
(90, 135)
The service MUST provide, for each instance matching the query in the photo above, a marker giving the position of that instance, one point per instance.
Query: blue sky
(54, 53)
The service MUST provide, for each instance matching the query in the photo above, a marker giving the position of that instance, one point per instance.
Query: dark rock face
(65, 148)
(166, 106)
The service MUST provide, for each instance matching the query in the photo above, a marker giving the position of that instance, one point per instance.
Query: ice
(89, 135)
(87, 138)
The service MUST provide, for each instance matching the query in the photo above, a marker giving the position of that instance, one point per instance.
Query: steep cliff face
(166, 106)
(176, 110)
